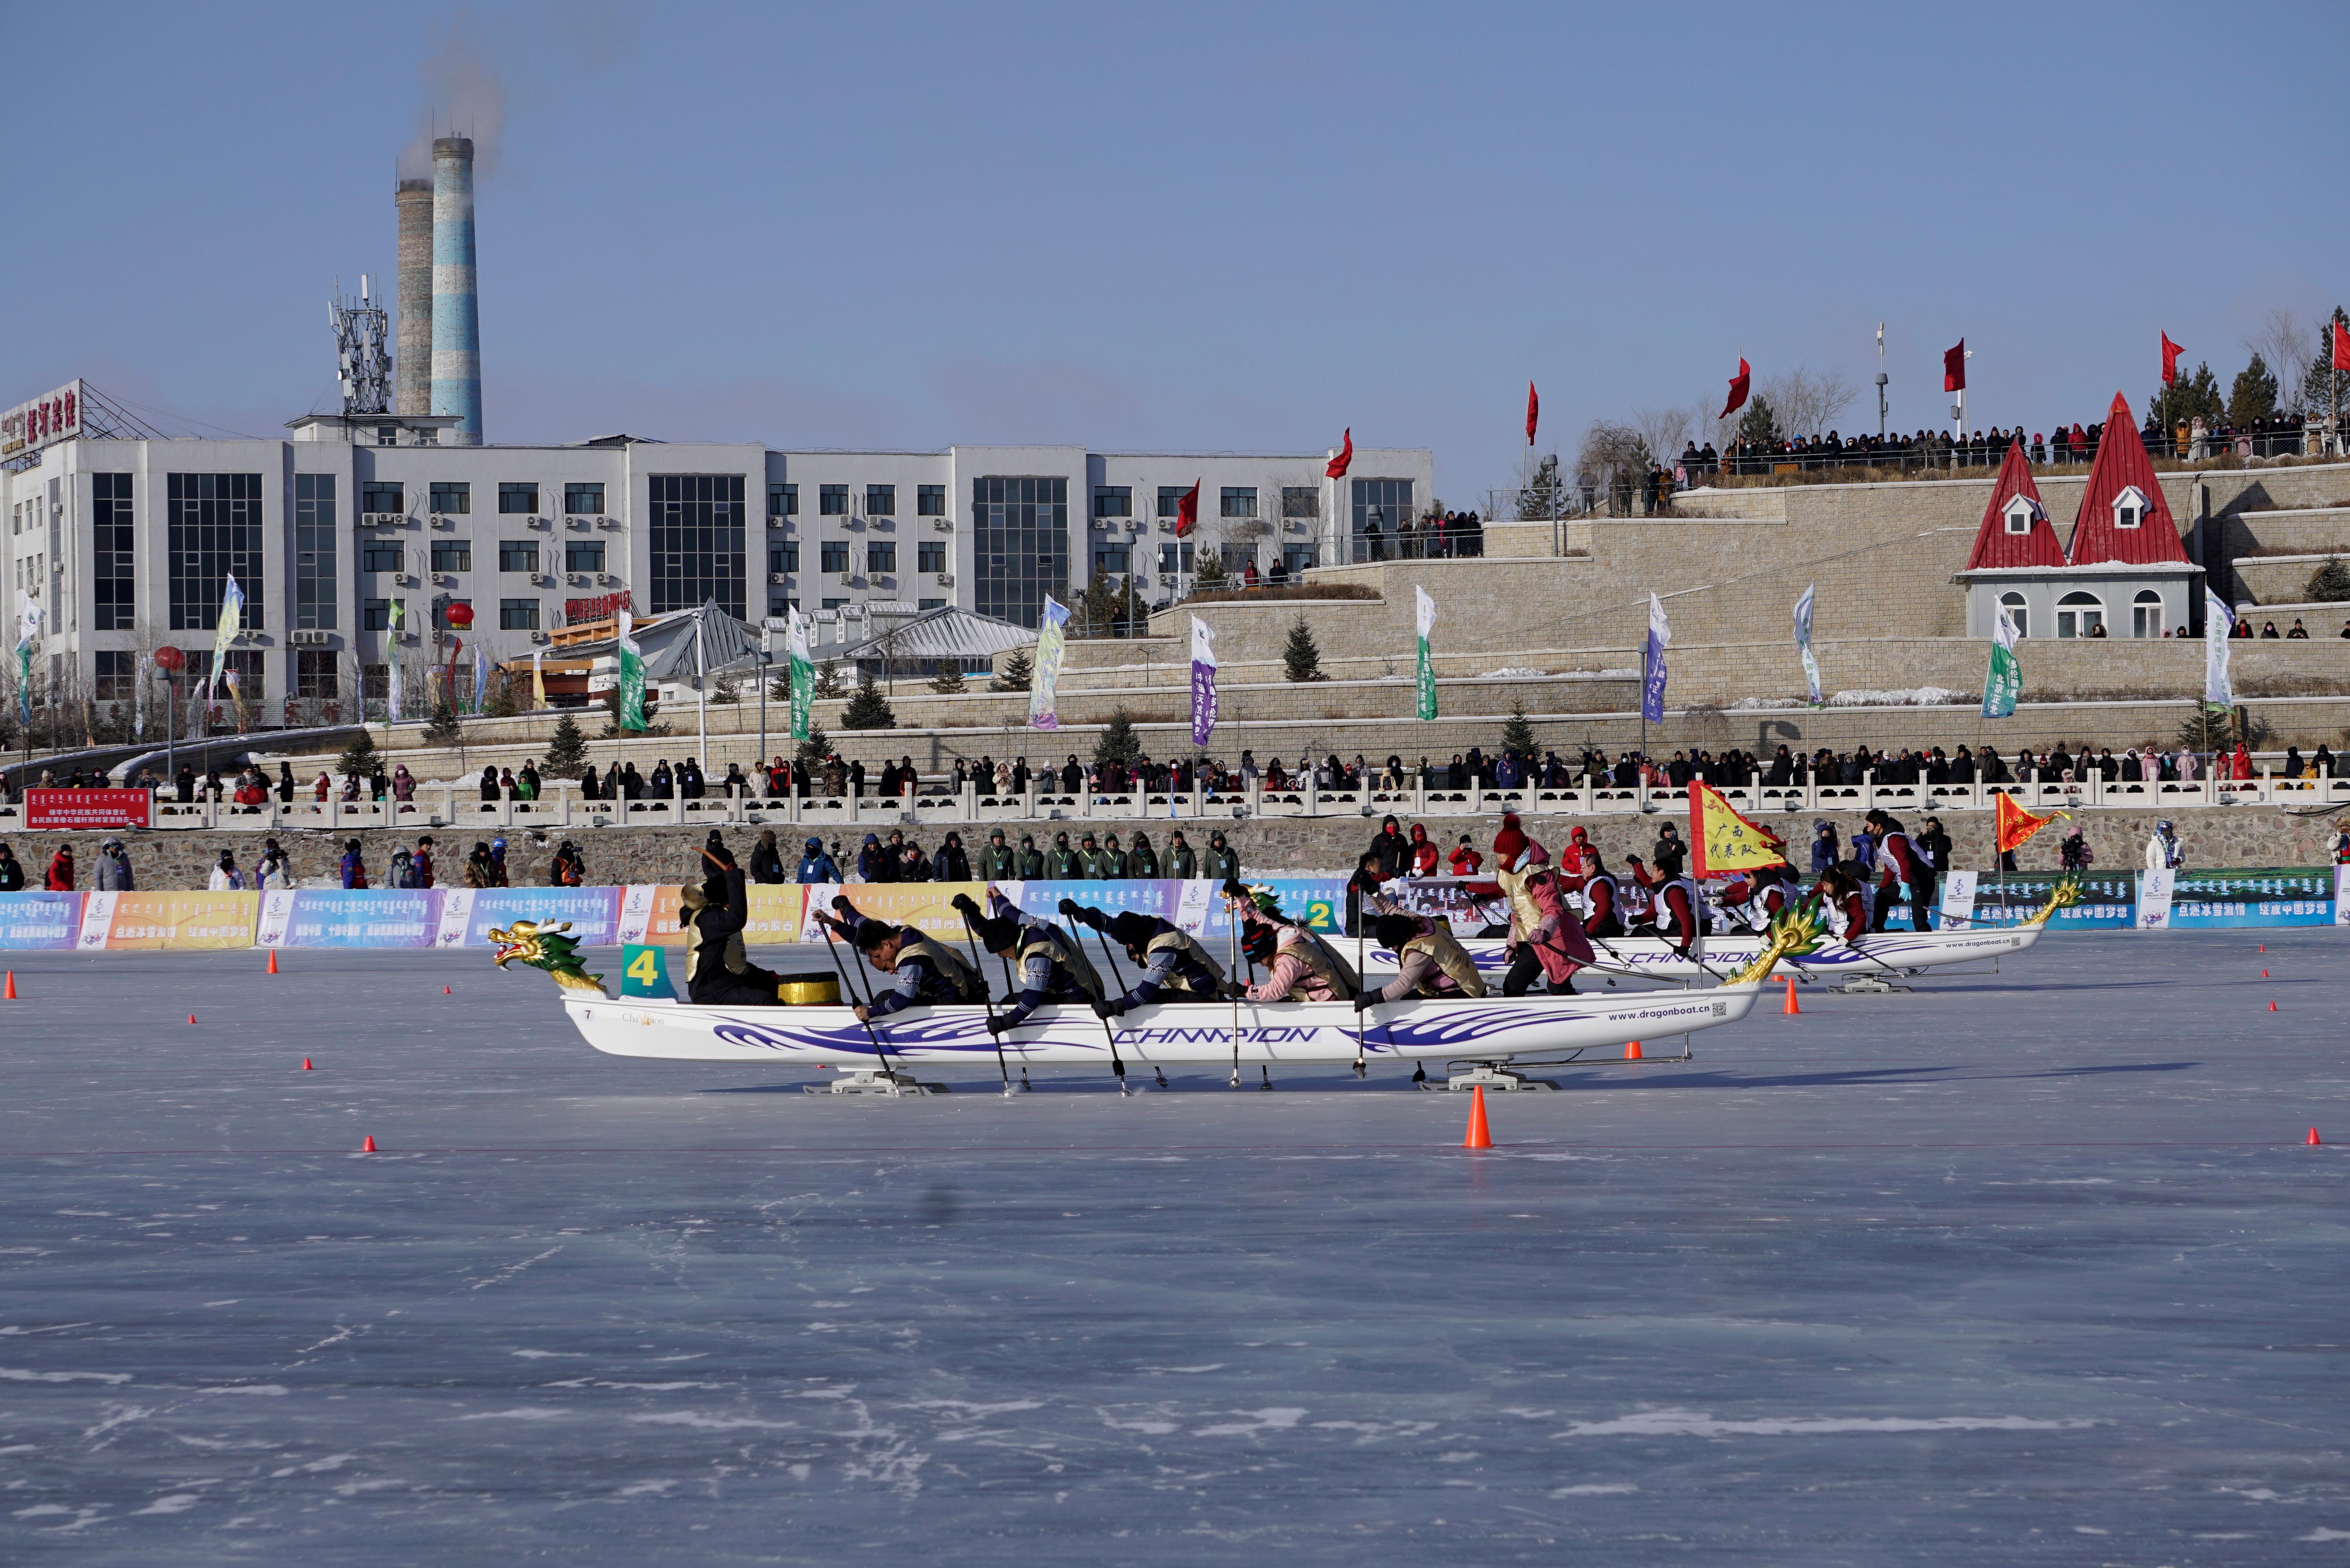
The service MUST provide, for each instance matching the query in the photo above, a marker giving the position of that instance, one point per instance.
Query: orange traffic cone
(273, 960)
(2272, 1007)
(1479, 1136)
(305, 1064)
(446, 991)
(2314, 1139)
(191, 1018)
(2264, 974)
(1791, 1010)
(11, 994)
(368, 1147)
(1632, 1052)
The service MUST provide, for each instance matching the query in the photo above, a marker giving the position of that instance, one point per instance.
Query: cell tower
(362, 362)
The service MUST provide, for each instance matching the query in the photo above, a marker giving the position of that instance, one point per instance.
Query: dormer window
(2019, 512)
(2129, 508)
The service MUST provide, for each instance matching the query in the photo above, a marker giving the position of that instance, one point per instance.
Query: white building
(351, 529)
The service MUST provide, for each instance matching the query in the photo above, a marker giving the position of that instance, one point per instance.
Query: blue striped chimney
(456, 316)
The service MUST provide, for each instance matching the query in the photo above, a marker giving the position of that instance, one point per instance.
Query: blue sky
(1210, 228)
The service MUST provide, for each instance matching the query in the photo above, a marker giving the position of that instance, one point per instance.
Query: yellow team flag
(1724, 844)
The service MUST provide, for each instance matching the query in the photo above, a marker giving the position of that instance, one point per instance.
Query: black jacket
(713, 926)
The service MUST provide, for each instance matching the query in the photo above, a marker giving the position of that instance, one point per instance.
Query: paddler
(1301, 967)
(1429, 962)
(1544, 937)
(928, 974)
(1052, 968)
(1175, 967)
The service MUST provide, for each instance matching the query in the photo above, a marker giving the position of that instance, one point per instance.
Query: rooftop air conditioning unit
(544, 579)
(1166, 525)
(847, 579)
(581, 579)
(538, 637)
(300, 639)
(944, 525)
(1166, 579)
(946, 579)
(583, 524)
(608, 522)
(442, 520)
(542, 522)
(382, 520)
(404, 579)
(607, 579)
(779, 579)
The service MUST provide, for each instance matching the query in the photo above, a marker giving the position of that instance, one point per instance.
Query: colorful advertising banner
(2252, 896)
(153, 920)
(1052, 641)
(803, 672)
(649, 914)
(2004, 682)
(39, 921)
(1424, 608)
(1203, 681)
(1652, 662)
(89, 810)
(2108, 902)
(348, 917)
(468, 913)
(1804, 642)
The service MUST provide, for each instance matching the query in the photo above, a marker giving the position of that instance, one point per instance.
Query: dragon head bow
(546, 948)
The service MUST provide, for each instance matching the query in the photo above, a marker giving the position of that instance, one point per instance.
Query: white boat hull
(1177, 1034)
(1882, 953)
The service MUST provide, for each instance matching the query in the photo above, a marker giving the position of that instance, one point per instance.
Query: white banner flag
(2218, 621)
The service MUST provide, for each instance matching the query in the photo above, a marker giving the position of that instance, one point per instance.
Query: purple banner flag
(1203, 682)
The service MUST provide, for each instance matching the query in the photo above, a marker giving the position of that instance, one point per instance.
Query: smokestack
(414, 200)
(456, 319)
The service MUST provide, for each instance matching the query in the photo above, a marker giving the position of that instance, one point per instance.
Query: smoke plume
(461, 97)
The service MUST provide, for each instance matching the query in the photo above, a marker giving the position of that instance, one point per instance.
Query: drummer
(1052, 968)
(1175, 967)
(929, 974)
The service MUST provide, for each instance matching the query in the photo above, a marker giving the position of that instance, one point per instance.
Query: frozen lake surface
(2026, 1267)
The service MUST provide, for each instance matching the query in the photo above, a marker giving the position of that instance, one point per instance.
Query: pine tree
(1208, 570)
(1301, 659)
(726, 687)
(812, 751)
(779, 689)
(1118, 743)
(2190, 398)
(1517, 735)
(360, 759)
(868, 710)
(2253, 398)
(949, 680)
(2330, 583)
(1759, 423)
(566, 749)
(1019, 672)
(2323, 385)
(827, 682)
(443, 730)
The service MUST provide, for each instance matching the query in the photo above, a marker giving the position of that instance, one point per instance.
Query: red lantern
(170, 659)
(459, 616)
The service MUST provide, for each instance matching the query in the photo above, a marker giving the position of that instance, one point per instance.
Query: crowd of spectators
(2192, 441)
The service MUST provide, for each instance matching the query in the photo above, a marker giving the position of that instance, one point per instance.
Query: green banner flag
(1427, 608)
(2003, 683)
(632, 678)
(803, 674)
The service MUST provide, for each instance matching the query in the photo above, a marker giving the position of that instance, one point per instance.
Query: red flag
(2341, 345)
(1534, 412)
(1340, 463)
(1187, 510)
(1954, 368)
(2170, 353)
(1738, 385)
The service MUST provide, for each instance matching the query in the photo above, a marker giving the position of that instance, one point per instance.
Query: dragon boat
(812, 1027)
(1864, 962)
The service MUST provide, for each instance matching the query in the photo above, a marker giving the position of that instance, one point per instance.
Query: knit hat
(1509, 843)
(1394, 930)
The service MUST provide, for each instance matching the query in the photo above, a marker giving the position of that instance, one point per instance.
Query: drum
(808, 988)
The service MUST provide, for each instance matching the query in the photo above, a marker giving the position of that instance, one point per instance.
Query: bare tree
(1665, 431)
(1808, 401)
(1614, 456)
(2285, 342)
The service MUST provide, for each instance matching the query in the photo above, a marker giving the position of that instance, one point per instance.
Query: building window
(1113, 500)
(1174, 557)
(698, 549)
(1170, 499)
(2019, 515)
(1022, 544)
(451, 495)
(518, 498)
(2080, 615)
(1113, 559)
(112, 581)
(2146, 614)
(517, 615)
(930, 555)
(518, 554)
(880, 501)
(381, 555)
(783, 501)
(881, 556)
(314, 551)
(835, 554)
(214, 532)
(2129, 508)
(583, 499)
(834, 604)
(779, 607)
(1239, 501)
(832, 501)
(375, 615)
(314, 674)
(931, 604)
(452, 555)
(1298, 557)
(784, 557)
(2018, 612)
(931, 501)
(376, 495)
(583, 556)
(118, 670)
(1300, 501)
(1386, 501)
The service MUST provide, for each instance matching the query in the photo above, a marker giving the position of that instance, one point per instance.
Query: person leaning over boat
(1175, 967)
(1052, 968)
(1429, 962)
(928, 974)
(718, 971)
(1299, 968)
(1545, 939)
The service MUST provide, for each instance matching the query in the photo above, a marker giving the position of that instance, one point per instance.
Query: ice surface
(2008, 1269)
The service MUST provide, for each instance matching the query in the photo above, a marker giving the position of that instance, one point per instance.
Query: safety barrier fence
(561, 807)
(452, 918)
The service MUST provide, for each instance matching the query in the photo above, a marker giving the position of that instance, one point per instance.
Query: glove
(1364, 998)
(996, 1025)
(1071, 909)
(840, 903)
(963, 903)
(1105, 1009)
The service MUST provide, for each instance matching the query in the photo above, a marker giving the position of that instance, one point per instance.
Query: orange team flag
(1721, 842)
(2016, 825)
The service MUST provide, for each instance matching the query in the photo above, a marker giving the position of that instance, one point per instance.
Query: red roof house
(2015, 529)
(2124, 517)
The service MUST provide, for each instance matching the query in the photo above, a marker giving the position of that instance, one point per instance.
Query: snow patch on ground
(1697, 1424)
(1907, 696)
